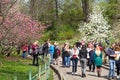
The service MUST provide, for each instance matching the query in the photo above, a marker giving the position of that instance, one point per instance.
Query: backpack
(45, 47)
(57, 50)
(105, 50)
(39, 50)
(51, 47)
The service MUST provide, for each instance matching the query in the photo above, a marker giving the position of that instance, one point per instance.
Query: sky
(26, 0)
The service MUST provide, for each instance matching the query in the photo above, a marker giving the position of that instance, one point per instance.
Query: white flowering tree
(97, 28)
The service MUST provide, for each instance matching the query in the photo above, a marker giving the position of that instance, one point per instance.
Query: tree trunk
(56, 7)
(85, 6)
(32, 8)
(0, 9)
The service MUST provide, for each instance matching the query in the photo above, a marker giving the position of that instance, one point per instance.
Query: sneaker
(72, 73)
(98, 73)
(84, 75)
(118, 77)
(113, 77)
(109, 78)
(75, 72)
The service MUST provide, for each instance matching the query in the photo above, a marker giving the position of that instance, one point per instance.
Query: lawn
(11, 67)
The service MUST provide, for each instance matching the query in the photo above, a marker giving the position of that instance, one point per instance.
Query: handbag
(74, 55)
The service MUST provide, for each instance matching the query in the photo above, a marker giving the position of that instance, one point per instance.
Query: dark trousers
(118, 69)
(74, 65)
(63, 61)
(35, 59)
(92, 65)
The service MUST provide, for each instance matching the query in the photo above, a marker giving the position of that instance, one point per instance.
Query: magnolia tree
(97, 28)
(17, 28)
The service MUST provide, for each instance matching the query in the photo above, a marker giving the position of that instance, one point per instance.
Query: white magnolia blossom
(97, 28)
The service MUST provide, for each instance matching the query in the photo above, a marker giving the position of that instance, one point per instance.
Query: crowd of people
(36, 49)
(89, 54)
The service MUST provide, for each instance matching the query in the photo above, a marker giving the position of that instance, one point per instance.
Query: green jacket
(98, 59)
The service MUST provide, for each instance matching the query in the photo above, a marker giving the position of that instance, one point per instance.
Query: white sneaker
(72, 73)
(118, 77)
(75, 72)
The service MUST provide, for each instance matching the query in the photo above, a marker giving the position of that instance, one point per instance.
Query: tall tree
(33, 8)
(85, 6)
(43, 10)
(0, 8)
(56, 7)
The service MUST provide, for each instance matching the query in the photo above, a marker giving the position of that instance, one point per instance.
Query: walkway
(66, 72)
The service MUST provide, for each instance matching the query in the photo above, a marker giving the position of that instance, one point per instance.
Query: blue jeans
(29, 51)
(24, 54)
(67, 61)
(83, 62)
(74, 65)
(112, 68)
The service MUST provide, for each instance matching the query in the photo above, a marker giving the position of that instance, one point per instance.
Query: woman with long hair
(74, 58)
(98, 59)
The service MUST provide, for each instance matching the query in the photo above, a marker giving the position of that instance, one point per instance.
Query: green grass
(17, 67)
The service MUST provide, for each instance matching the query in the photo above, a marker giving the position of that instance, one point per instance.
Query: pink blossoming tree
(16, 28)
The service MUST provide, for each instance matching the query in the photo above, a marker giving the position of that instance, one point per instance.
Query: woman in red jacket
(35, 53)
(24, 50)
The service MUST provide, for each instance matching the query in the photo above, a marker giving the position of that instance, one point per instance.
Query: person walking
(83, 59)
(74, 58)
(67, 55)
(112, 55)
(117, 59)
(91, 59)
(51, 51)
(56, 53)
(45, 48)
(98, 60)
(35, 53)
(63, 55)
(24, 50)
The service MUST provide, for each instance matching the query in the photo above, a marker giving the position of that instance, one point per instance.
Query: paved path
(55, 76)
(66, 72)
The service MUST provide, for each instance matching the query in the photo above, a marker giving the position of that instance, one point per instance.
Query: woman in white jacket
(74, 58)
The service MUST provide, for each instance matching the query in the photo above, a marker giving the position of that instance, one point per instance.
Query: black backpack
(45, 48)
